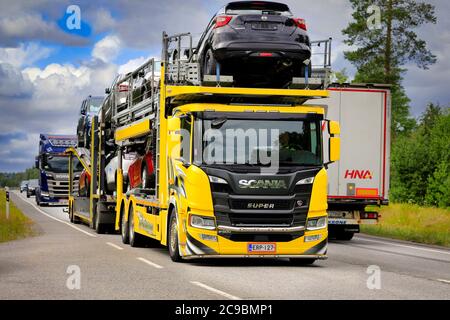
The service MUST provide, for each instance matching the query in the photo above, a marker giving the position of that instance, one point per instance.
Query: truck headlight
(316, 223)
(202, 222)
(214, 179)
(309, 180)
(44, 194)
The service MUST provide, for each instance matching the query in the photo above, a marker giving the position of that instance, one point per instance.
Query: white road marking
(157, 266)
(59, 220)
(114, 245)
(404, 246)
(443, 280)
(217, 291)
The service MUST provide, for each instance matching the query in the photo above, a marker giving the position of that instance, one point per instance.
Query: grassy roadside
(18, 225)
(414, 223)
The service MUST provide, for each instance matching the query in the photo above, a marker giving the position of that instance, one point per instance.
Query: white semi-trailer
(360, 179)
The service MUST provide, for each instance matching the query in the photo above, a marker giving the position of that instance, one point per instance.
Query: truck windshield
(60, 164)
(268, 142)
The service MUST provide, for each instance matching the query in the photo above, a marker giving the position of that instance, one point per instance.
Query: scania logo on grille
(262, 184)
(260, 205)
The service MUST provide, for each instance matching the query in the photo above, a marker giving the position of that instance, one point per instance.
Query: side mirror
(83, 112)
(36, 162)
(333, 128)
(334, 142)
(107, 91)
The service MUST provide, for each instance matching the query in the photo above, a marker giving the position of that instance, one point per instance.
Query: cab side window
(186, 125)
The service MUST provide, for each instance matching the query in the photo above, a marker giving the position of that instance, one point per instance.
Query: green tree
(384, 49)
(340, 76)
(14, 179)
(420, 161)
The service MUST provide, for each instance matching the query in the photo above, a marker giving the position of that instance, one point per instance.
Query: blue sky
(46, 69)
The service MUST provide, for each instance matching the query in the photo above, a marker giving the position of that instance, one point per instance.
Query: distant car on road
(23, 186)
(260, 43)
(90, 107)
(33, 184)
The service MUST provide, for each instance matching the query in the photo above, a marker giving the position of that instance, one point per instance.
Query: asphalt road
(45, 266)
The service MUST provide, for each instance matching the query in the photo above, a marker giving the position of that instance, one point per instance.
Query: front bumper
(194, 245)
(53, 201)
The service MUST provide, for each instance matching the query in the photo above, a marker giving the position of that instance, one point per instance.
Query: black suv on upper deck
(260, 43)
(90, 107)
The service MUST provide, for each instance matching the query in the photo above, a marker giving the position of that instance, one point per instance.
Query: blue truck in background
(53, 165)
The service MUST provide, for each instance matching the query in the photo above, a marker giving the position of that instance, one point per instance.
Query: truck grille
(261, 219)
(259, 204)
(60, 189)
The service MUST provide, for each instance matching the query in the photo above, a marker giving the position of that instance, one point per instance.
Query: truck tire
(99, 227)
(28, 195)
(301, 261)
(146, 179)
(87, 186)
(73, 218)
(344, 235)
(124, 230)
(172, 241)
(136, 239)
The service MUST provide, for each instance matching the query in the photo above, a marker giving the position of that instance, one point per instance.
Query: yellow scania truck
(237, 172)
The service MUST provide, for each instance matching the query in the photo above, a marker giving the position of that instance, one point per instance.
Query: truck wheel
(174, 250)
(136, 239)
(99, 227)
(71, 216)
(301, 261)
(124, 226)
(86, 187)
(345, 235)
(209, 63)
(28, 195)
(145, 177)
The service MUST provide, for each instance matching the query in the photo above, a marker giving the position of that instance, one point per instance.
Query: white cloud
(132, 64)
(13, 83)
(24, 54)
(107, 48)
(18, 26)
(103, 21)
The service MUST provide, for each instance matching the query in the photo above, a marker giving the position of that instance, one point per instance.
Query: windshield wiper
(294, 164)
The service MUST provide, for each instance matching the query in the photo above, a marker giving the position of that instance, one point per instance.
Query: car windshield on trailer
(257, 7)
(95, 105)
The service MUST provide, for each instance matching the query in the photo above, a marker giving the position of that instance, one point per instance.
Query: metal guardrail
(135, 94)
(321, 60)
(176, 53)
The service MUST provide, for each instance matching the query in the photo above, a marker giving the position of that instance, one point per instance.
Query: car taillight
(123, 87)
(266, 54)
(222, 21)
(301, 23)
